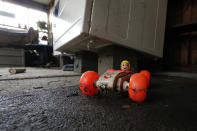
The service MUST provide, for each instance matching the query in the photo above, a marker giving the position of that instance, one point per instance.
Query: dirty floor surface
(57, 104)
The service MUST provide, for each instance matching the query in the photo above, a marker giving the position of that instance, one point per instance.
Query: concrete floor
(35, 73)
(36, 79)
(57, 104)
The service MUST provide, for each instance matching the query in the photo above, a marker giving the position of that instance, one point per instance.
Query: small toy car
(117, 80)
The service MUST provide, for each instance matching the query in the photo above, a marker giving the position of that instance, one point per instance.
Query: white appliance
(90, 24)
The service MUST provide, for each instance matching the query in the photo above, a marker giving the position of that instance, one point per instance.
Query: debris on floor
(126, 106)
(39, 87)
(16, 70)
(15, 105)
(73, 94)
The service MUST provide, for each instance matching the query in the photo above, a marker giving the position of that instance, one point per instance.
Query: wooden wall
(180, 51)
(181, 12)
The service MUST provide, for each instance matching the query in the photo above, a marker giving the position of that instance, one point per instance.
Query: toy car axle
(113, 80)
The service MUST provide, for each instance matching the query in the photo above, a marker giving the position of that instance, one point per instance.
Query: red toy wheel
(87, 83)
(147, 74)
(137, 87)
